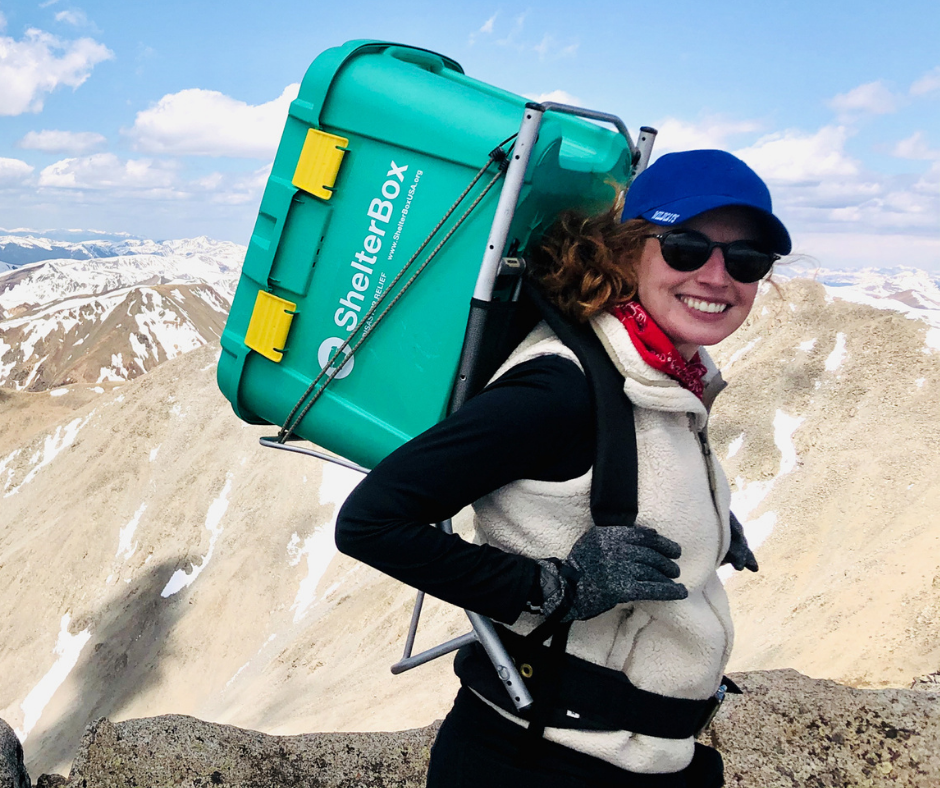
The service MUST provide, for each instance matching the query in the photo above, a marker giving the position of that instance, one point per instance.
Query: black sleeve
(534, 422)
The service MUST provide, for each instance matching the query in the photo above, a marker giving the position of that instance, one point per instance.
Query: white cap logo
(325, 353)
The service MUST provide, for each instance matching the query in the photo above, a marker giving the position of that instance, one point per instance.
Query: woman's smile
(703, 305)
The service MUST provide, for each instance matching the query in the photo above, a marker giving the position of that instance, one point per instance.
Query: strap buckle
(714, 706)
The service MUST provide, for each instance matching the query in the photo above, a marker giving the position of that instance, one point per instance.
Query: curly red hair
(587, 264)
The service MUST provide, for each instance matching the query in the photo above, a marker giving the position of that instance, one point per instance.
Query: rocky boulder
(12, 770)
(788, 730)
(175, 750)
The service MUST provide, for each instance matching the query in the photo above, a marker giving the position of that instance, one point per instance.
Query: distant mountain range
(91, 312)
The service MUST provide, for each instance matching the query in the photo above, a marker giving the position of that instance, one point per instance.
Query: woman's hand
(608, 566)
(740, 556)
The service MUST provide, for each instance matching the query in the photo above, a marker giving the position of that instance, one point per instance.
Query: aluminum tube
(508, 198)
(273, 443)
(645, 146)
(407, 663)
(413, 627)
(505, 669)
(592, 114)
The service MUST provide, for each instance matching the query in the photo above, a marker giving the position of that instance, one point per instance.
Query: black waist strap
(586, 696)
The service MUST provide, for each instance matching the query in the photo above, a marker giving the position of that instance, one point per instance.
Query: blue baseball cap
(679, 186)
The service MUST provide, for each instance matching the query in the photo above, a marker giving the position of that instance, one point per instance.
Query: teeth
(703, 306)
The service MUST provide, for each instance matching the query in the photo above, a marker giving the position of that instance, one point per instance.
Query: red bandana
(657, 350)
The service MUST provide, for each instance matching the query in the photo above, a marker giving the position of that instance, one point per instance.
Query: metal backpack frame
(493, 266)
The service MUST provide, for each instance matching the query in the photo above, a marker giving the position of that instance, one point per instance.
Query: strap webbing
(614, 486)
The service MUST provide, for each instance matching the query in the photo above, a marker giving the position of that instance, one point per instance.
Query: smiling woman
(638, 619)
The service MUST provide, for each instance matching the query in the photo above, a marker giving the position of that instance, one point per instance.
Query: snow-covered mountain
(18, 250)
(93, 319)
(914, 292)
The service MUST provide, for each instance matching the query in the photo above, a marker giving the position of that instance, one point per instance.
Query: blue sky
(160, 119)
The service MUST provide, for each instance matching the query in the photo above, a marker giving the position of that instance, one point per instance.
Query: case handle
(418, 57)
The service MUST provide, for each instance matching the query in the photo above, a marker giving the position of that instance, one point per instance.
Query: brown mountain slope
(849, 586)
(105, 509)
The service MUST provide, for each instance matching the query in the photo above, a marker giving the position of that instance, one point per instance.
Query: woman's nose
(714, 271)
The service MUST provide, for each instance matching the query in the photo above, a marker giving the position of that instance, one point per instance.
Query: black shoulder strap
(614, 489)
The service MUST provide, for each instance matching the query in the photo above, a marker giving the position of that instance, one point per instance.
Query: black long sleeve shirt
(535, 422)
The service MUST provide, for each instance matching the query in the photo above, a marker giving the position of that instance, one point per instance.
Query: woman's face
(699, 307)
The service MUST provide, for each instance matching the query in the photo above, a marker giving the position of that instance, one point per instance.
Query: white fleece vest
(678, 649)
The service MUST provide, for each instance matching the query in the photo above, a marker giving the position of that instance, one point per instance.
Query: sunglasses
(689, 250)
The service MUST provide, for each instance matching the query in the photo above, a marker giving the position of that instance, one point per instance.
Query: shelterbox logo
(350, 309)
(347, 316)
(325, 353)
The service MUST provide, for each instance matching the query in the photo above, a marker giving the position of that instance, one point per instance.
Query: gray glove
(608, 566)
(739, 554)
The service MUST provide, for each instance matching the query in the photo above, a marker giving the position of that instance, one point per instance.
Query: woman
(677, 270)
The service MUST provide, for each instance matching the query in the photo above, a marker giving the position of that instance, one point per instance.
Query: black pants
(477, 747)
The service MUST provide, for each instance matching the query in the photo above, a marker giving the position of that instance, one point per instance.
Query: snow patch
(154, 452)
(735, 446)
(932, 341)
(319, 548)
(806, 346)
(68, 648)
(58, 392)
(125, 547)
(217, 509)
(784, 427)
(52, 445)
(837, 356)
(919, 383)
(740, 352)
(748, 496)
(237, 672)
(9, 471)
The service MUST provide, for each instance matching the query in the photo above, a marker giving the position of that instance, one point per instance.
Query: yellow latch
(269, 324)
(319, 163)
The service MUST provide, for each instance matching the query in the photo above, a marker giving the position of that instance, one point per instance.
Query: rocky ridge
(786, 731)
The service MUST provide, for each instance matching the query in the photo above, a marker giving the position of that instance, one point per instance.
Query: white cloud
(239, 189)
(915, 147)
(37, 65)
(517, 26)
(863, 249)
(14, 171)
(872, 98)
(73, 16)
(712, 132)
(52, 141)
(486, 29)
(793, 156)
(818, 187)
(929, 83)
(233, 188)
(105, 171)
(208, 123)
(559, 96)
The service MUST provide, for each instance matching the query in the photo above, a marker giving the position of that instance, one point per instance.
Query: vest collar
(649, 388)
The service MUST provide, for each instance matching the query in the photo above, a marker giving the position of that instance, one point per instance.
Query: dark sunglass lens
(685, 251)
(746, 263)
